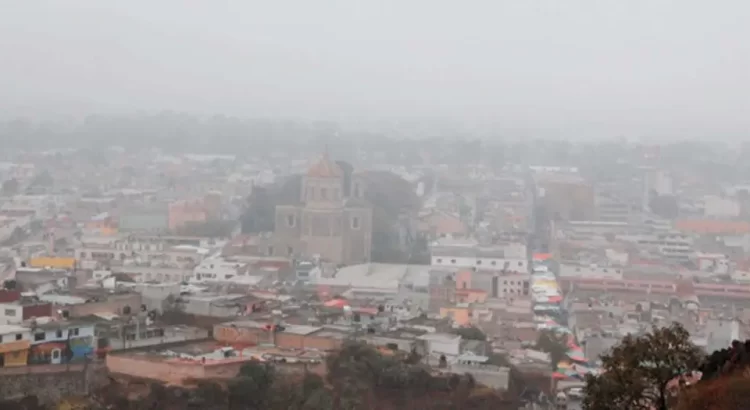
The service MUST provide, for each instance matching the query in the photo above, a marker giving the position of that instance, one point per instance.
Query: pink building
(185, 212)
(463, 279)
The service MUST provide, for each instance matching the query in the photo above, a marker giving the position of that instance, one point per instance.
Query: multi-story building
(14, 345)
(193, 211)
(333, 220)
(55, 342)
(612, 209)
(499, 284)
(119, 251)
(565, 195)
(673, 247)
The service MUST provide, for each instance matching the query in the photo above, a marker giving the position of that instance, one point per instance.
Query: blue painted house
(57, 342)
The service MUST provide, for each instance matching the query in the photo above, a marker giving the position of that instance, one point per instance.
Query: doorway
(56, 356)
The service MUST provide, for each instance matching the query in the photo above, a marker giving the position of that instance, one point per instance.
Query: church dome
(325, 168)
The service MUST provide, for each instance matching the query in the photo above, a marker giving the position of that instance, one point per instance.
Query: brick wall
(172, 371)
(39, 310)
(252, 336)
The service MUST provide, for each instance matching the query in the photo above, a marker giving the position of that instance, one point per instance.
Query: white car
(575, 393)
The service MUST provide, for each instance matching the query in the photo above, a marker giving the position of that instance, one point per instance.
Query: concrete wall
(253, 336)
(10, 314)
(513, 264)
(50, 383)
(589, 272)
(148, 221)
(113, 304)
(153, 296)
(171, 371)
(184, 212)
(170, 336)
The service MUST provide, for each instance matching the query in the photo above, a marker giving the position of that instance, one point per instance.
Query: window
(290, 221)
(453, 261)
(505, 282)
(323, 193)
(19, 336)
(479, 261)
(270, 251)
(290, 250)
(355, 223)
(520, 263)
(494, 263)
(10, 312)
(74, 331)
(439, 260)
(1, 338)
(59, 333)
(39, 336)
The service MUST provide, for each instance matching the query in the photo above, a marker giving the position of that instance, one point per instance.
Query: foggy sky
(554, 68)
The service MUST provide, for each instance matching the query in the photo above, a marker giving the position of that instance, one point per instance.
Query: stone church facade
(332, 220)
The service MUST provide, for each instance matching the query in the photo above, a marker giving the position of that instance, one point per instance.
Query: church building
(332, 219)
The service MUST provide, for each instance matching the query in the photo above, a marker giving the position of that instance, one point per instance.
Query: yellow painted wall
(60, 263)
(460, 316)
(15, 353)
(17, 358)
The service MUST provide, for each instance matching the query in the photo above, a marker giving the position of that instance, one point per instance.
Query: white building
(721, 207)
(511, 257)
(217, 269)
(14, 333)
(438, 344)
(568, 270)
(120, 251)
(671, 246)
(11, 314)
(149, 274)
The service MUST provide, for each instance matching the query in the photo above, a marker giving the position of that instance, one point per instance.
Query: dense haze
(539, 68)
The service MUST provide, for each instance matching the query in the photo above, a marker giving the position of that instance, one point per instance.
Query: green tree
(637, 371)
(471, 333)
(208, 394)
(554, 344)
(310, 393)
(251, 389)
(10, 187)
(43, 179)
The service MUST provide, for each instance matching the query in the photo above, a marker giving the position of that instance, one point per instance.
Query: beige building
(332, 220)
